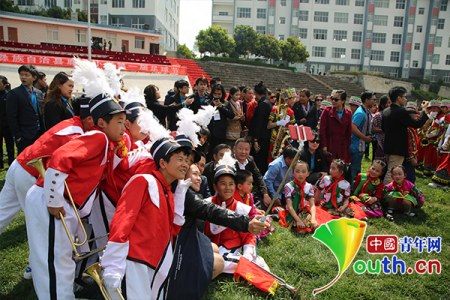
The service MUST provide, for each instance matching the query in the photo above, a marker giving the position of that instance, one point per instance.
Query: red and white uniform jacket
(226, 237)
(51, 140)
(143, 227)
(81, 163)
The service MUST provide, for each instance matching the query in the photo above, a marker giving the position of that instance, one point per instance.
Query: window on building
(281, 37)
(377, 55)
(441, 24)
(118, 3)
(356, 53)
(138, 23)
(358, 18)
(400, 4)
(340, 35)
(76, 1)
(67, 3)
(447, 59)
(271, 29)
(80, 36)
(112, 37)
(438, 41)
(446, 78)
(139, 42)
(261, 29)
(138, 3)
(342, 2)
(444, 4)
(419, 28)
(303, 33)
(52, 33)
(25, 2)
(321, 16)
(244, 12)
(50, 3)
(104, 2)
(303, 15)
(416, 46)
(320, 34)
(435, 59)
(338, 52)
(283, 2)
(395, 56)
(396, 39)
(318, 51)
(116, 21)
(421, 10)
(398, 21)
(359, 2)
(261, 13)
(415, 64)
(104, 20)
(223, 13)
(380, 20)
(282, 20)
(357, 36)
(382, 3)
(304, 1)
(340, 17)
(378, 37)
(322, 1)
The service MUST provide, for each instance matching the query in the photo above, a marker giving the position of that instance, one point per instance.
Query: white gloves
(433, 115)
(249, 252)
(284, 121)
(178, 197)
(112, 281)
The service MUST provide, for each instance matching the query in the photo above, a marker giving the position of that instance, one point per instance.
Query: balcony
(223, 19)
(225, 2)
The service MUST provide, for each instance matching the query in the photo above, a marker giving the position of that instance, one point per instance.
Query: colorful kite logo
(343, 237)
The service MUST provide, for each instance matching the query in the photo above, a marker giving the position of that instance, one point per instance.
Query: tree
(268, 47)
(244, 37)
(215, 40)
(293, 50)
(185, 52)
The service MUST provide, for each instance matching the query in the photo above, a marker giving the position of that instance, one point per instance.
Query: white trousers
(12, 197)
(50, 248)
(101, 215)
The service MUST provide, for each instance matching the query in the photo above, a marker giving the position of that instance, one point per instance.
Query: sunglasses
(334, 99)
(317, 141)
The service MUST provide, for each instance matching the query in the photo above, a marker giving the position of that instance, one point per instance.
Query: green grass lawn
(301, 260)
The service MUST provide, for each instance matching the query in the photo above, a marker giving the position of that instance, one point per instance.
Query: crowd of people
(200, 175)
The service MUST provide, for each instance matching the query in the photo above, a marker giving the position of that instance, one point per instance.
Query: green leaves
(293, 50)
(215, 40)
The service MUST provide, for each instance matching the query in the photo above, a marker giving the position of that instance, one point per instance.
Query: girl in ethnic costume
(401, 194)
(301, 212)
(369, 190)
(334, 191)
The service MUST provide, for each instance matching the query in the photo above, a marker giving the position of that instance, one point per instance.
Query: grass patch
(299, 259)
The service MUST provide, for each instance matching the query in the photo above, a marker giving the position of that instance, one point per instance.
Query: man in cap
(79, 165)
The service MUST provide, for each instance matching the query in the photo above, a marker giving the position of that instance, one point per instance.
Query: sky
(194, 16)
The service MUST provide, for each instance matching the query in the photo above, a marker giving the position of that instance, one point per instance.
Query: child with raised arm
(401, 194)
(334, 191)
(369, 190)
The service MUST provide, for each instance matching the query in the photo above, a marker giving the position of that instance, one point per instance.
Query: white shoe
(434, 185)
(27, 273)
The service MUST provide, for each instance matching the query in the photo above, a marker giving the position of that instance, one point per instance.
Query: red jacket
(335, 133)
(51, 140)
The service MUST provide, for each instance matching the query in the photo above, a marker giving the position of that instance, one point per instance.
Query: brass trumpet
(95, 272)
(39, 165)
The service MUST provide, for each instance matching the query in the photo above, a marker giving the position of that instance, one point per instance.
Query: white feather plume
(187, 126)
(91, 78)
(150, 125)
(204, 115)
(133, 95)
(227, 160)
(113, 76)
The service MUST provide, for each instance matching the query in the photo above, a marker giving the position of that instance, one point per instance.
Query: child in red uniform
(243, 192)
(147, 219)
(80, 163)
(232, 244)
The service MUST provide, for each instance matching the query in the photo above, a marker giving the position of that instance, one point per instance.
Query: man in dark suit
(305, 110)
(23, 109)
(395, 123)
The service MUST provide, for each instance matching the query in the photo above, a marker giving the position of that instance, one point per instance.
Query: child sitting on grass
(334, 191)
(369, 190)
(401, 194)
(301, 212)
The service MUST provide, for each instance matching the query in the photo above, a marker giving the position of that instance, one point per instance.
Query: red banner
(55, 61)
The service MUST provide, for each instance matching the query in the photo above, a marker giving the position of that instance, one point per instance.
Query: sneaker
(435, 185)
(27, 273)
